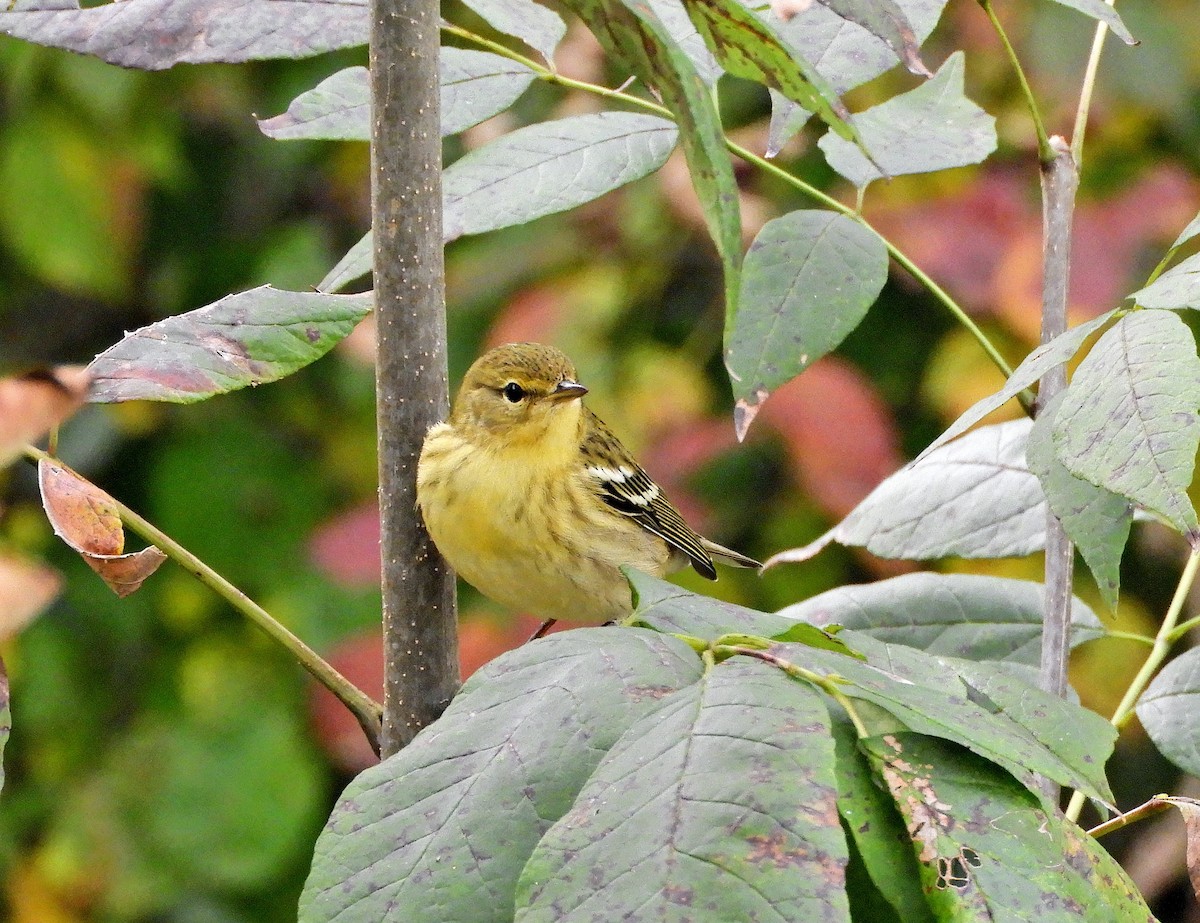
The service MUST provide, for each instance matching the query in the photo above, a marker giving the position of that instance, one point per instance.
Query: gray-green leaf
(960, 615)
(722, 805)
(973, 498)
(934, 127)
(1096, 520)
(1168, 711)
(807, 281)
(442, 830)
(551, 167)
(1178, 287)
(1102, 11)
(1128, 422)
(534, 24)
(1031, 369)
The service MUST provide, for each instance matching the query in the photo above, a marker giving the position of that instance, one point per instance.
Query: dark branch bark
(1060, 179)
(419, 619)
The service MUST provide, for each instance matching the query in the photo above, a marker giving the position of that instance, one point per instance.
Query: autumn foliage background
(166, 762)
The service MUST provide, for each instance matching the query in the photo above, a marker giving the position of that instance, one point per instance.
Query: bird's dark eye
(513, 392)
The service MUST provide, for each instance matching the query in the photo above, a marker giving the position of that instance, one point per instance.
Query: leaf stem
(1045, 154)
(1086, 90)
(1155, 805)
(550, 76)
(1158, 653)
(368, 712)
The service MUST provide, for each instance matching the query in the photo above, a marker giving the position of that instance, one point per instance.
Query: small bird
(533, 500)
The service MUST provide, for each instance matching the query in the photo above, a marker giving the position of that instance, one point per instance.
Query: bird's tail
(727, 555)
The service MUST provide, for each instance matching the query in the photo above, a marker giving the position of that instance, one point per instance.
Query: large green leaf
(973, 498)
(987, 850)
(1128, 422)
(636, 37)
(441, 830)
(929, 695)
(934, 127)
(721, 805)
(154, 34)
(665, 607)
(245, 339)
(1096, 520)
(1031, 369)
(475, 85)
(550, 167)
(960, 615)
(875, 825)
(1168, 711)
(808, 280)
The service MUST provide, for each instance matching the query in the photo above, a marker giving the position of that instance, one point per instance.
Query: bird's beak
(567, 390)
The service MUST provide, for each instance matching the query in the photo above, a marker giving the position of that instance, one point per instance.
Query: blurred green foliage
(165, 762)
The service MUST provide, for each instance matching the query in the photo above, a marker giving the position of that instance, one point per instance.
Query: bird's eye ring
(513, 392)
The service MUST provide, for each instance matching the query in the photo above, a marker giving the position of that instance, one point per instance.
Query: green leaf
(1032, 368)
(807, 281)
(679, 26)
(357, 262)
(1102, 11)
(538, 27)
(245, 339)
(987, 850)
(665, 607)
(926, 694)
(1179, 286)
(1192, 229)
(961, 615)
(155, 34)
(551, 167)
(475, 85)
(1168, 711)
(441, 830)
(934, 127)
(973, 498)
(1096, 520)
(887, 21)
(843, 52)
(749, 47)
(636, 37)
(1128, 422)
(719, 806)
(876, 827)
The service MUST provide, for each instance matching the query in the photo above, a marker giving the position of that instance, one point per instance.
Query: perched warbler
(534, 501)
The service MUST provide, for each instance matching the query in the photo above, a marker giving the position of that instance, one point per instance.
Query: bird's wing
(628, 489)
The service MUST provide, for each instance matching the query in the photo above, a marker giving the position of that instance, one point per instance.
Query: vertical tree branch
(1060, 180)
(419, 618)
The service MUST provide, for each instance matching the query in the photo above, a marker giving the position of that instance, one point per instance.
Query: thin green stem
(544, 73)
(368, 712)
(1154, 660)
(1045, 154)
(1130, 636)
(1086, 90)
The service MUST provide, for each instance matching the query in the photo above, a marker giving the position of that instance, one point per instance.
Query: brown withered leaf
(26, 589)
(33, 403)
(1190, 809)
(88, 520)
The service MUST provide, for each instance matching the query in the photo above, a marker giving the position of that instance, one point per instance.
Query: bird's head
(522, 394)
